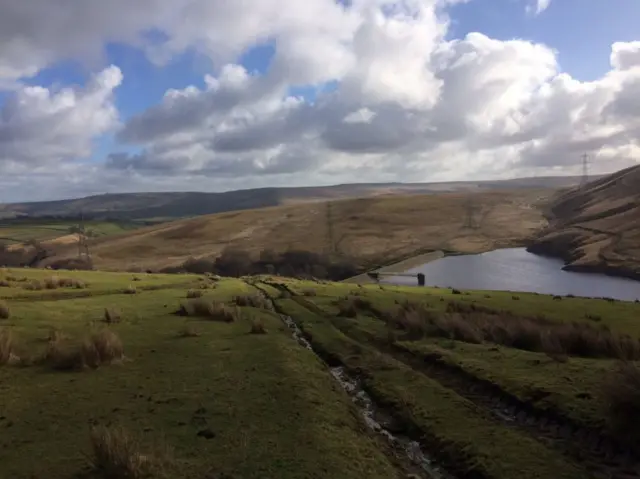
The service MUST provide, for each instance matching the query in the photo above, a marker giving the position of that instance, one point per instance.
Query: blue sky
(464, 128)
(581, 31)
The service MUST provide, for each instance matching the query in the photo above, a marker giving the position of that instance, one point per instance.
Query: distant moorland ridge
(162, 206)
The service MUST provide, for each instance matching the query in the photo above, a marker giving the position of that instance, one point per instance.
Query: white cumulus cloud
(395, 97)
(42, 127)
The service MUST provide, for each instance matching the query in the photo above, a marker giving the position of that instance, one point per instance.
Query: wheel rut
(599, 454)
(407, 453)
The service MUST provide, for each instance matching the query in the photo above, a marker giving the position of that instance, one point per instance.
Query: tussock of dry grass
(192, 294)
(34, 285)
(258, 327)
(109, 346)
(253, 300)
(112, 315)
(116, 454)
(188, 331)
(52, 282)
(475, 324)
(55, 335)
(101, 348)
(131, 289)
(466, 308)
(347, 309)
(350, 305)
(456, 327)
(309, 292)
(7, 345)
(4, 283)
(208, 309)
(55, 282)
(76, 283)
(16, 279)
(5, 312)
(622, 399)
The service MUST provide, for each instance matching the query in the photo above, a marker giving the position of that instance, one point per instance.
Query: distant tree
(198, 266)
(268, 256)
(84, 263)
(234, 262)
(319, 271)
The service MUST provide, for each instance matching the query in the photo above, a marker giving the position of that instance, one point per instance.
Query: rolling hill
(172, 205)
(597, 228)
(372, 231)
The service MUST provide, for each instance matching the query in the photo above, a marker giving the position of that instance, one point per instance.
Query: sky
(213, 95)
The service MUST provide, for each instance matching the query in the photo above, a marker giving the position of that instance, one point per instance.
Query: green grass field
(206, 398)
(23, 232)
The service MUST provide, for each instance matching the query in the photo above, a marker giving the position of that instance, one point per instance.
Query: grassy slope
(173, 387)
(456, 427)
(573, 388)
(272, 405)
(23, 232)
(598, 227)
(377, 230)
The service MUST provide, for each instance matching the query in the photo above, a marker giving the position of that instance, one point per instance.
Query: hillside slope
(270, 377)
(173, 205)
(597, 228)
(371, 230)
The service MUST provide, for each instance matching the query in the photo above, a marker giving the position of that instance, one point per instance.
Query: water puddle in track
(411, 449)
(422, 464)
(297, 333)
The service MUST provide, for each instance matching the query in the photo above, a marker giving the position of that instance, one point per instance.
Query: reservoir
(514, 269)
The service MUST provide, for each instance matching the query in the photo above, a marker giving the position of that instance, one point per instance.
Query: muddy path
(587, 446)
(603, 457)
(407, 453)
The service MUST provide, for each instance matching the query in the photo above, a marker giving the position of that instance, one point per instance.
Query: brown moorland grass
(257, 326)
(475, 324)
(100, 348)
(117, 454)
(34, 285)
(347, 309)
(188, 330)
(377, 230)
(597, 227)
(622, 400)
(350, 305)
(55, 282)
(5, 312)
(112, 315)
(208, 309)
(253, 300)
(6, 345)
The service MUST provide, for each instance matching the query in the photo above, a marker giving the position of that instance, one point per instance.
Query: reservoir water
(514, 269)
